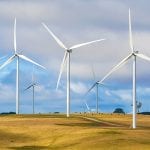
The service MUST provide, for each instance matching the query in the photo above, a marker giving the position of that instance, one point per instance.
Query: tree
(119, 110)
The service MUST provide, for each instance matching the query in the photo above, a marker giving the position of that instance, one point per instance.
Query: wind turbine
(96, 84)
(66, 57)
(32, 85)
(18, 56)
(133, 54)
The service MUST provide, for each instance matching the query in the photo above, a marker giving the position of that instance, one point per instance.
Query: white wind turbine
(32, 85)
(96, 84)
(18, 57)
(133, 54)
(66, 57)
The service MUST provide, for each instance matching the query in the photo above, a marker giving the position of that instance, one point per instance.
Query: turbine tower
(17, 56)
(66, 58)
(133, 54)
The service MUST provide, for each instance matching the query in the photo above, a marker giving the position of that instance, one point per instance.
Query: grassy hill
(56, 132)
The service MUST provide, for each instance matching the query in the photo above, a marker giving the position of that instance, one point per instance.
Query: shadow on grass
(13, 137)
(111, 132)
(30, 148)
(143, 127)
(51, 146)
(63, 147)
(90, 124)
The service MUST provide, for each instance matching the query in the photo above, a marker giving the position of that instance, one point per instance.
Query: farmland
(56, 132)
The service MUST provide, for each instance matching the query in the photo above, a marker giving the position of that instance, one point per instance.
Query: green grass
(56, 132)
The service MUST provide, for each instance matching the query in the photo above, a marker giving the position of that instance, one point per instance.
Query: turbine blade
(31, 61)
(88, 108)
(33, 74)
(52, 34)
(143, 56)
(116, 67)
(93, 72)
(62, 68)
(91, 88)
(15, 43)
(7, 62)
(87, 43)
(130, 33)
(102, 84)
(28, 87)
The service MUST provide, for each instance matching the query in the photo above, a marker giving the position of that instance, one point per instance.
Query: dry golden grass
(56, 132)
(142, 120)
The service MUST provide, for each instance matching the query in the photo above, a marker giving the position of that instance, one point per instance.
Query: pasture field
(56, 132)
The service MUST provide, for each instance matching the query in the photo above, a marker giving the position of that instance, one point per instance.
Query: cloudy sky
(74, 22)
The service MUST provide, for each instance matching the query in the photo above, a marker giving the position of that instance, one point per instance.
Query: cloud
(73, 25)
(79, 87)
(124, 95)
(4, 90)
(108, 93)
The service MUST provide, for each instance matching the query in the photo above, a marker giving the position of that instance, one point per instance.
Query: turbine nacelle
(135, 52)
(16, 54)
(69, 50)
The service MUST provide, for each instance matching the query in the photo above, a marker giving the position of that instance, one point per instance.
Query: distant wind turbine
(18, 57)
(133, 55)
(96, 84)
(66, 57)
(139, 105)
(32, 85)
